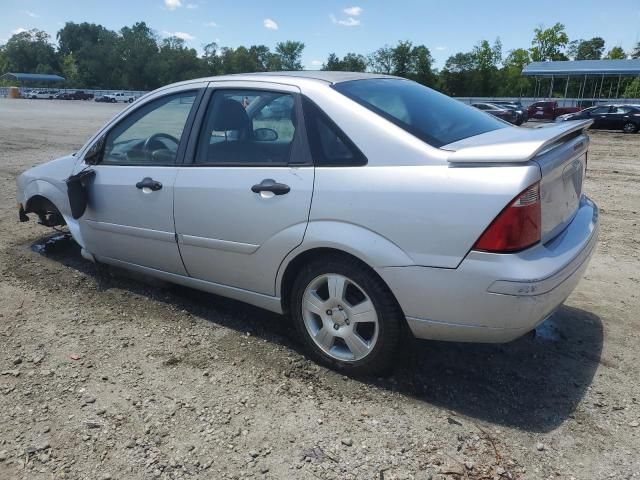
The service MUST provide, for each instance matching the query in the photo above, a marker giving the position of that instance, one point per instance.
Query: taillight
(516, 227)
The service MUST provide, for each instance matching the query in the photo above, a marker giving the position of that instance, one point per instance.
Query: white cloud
(19, 30)
(182, 35)
(353, 11)
(345, 22)
(31, 14)
(270, 24)
(316, 63)
(172, 4)
(210, 24)
(191, 6)
(441, 48)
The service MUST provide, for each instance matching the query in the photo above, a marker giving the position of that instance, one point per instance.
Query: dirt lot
(105, 375)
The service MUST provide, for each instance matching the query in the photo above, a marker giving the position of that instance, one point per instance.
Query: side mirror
(265, 135)
(94, 154)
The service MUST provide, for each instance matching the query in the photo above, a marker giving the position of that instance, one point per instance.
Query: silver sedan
(364, 206)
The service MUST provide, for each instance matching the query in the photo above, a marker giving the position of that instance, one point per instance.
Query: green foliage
(586, 49)
(549, 44)
(30, 52)
(474, 73)
(633, 89)
(89, 55)
(288, 56)
(351, 62)
(616, 53)
(93, 49)
(404, 60)
(512, 81)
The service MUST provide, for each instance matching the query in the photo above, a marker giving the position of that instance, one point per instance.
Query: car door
(600, 117)
(129, 217)
(618, 117)
(243, 201)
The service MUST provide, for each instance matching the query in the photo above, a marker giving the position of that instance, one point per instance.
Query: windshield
(431, 116)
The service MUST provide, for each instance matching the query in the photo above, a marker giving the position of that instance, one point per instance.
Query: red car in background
(548, 110)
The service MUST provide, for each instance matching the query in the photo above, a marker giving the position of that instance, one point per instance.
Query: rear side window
(329, 145)
(431, 116)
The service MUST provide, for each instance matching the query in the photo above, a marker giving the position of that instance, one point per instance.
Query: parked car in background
(120, 97)
(549, 110)
(102, 99)
(609, 117)
(506, 114)
(63, 96)
(522, 112)
(349, 218)
(81, 95)
(46, 94)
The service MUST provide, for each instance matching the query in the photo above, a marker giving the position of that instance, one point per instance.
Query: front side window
(431, 116)
(247, 127)
(600, 110)
(151, 134)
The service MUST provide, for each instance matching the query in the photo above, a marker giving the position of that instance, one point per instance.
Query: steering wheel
(149, 142)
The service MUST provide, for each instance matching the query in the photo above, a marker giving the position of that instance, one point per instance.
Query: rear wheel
(629, 127)
(346, 316)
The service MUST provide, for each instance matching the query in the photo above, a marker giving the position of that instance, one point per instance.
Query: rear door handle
(270, 185)
(149, 183)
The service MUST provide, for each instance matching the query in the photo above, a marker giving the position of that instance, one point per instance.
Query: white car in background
(47, 94)
(121, 97)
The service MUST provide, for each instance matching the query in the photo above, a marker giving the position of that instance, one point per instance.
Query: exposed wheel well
(48, 213)
(294, 267)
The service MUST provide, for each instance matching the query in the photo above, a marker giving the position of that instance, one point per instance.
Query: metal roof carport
(583, 68)
(32, 77)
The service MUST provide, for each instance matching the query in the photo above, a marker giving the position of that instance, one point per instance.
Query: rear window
(431, 116)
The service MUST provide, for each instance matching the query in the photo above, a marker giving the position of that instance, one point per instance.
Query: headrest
(231, 115)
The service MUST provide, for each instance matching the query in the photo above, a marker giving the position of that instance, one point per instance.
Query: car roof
(296, 78)
(319, 75)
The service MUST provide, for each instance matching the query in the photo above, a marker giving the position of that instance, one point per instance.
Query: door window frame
(184, 138)
(298, 152)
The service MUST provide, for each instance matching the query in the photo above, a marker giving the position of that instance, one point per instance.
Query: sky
(326, 26)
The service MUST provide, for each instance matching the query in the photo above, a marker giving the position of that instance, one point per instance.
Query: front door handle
(270, 185)
(149, 183)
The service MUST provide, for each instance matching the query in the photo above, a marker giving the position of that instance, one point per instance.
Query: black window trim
(360, 159)
(296, 150)
(200, 91)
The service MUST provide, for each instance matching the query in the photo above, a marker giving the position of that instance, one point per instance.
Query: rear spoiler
(513, 145)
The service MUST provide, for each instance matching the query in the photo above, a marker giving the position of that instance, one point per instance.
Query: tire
(630, 127)
(113, 100)
(364, 347)
(131, 100)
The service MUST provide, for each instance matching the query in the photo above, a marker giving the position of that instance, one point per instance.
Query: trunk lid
(560, 150)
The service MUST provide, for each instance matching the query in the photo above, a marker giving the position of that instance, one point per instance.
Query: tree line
(89, 55)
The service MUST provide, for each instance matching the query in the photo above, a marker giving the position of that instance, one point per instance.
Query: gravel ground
(109, 375)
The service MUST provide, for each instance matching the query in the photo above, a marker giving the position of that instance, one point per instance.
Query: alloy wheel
(340, 317)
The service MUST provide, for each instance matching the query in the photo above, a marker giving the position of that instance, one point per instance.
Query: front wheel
(629, 127)
(346, 316)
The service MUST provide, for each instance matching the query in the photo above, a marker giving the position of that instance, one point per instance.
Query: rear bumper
(496, 297)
